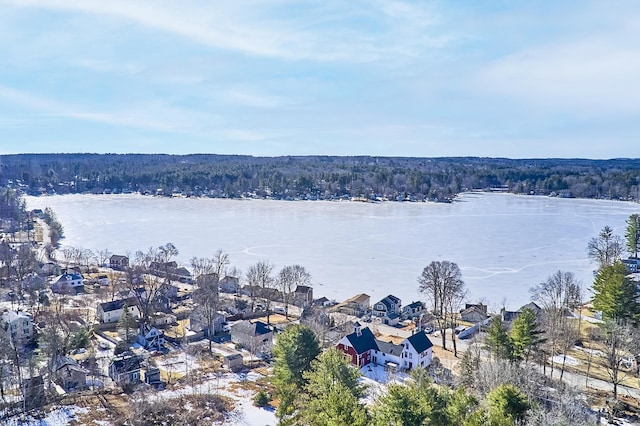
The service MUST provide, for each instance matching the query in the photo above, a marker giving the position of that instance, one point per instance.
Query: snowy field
(503, 243)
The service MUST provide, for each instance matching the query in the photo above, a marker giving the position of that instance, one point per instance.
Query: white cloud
(250, 98)
(251, 27)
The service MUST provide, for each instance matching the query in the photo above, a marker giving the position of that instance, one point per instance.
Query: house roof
(68, 277)
(303, 289)
(393, 315)
(389, 348)
(389, 300)
(359, 298)
(363, 342)
(251, 328)
(117, 258)
(117, 304)
(420, 342)
(11, 316)
(414, 305)
(65, 361)
(125, 363)
(535, 308)
(473, 309)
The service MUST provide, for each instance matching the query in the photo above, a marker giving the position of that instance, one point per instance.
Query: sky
(518, 79)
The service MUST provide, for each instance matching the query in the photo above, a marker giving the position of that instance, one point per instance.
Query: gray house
(257, 336)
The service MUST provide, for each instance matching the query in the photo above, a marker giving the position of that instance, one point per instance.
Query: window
(410, 355)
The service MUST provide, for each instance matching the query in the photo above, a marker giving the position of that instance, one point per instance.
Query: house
(19, 324)
(68, 284)
(359, 345)
(303, 296)
(199, 323)
(363, 348)
(125, 369)
(68, 374)
(388, 309)
(509, 316)
(417, 351)
(356, 305)
(48, 268)
(151, 338)
(473, 314)
(322, 302)
(632, 264)
(229, 284)
(118, 262)
(109, 312)
(257, 336)
(414, 310)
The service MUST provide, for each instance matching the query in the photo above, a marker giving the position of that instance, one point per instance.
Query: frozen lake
(503, 243)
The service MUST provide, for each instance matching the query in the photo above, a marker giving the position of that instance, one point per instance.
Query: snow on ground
(180, 362)
(376, 378)
(60, 416)
(558, 359)
(591, 351)
(229, 385)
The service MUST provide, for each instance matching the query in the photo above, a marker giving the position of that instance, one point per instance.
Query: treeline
(321, 177)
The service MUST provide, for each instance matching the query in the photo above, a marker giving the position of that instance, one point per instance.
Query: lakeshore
(503, 243)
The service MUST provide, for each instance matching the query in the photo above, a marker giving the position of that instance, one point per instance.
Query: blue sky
(368, 77)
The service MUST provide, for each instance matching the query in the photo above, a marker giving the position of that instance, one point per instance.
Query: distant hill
(318, 177)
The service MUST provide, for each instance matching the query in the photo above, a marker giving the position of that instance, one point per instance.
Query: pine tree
(525, 335)
(615, 294)
(333, 392)
(498, 342)
(632, 235)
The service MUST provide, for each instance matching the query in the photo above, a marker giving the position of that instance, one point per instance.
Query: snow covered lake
(503, 243)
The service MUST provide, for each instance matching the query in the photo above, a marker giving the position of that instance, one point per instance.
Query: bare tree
(619, 341)
(147, 283)
(207, 293)
(288, 279)
(441, 282)
(606, 248)
(103, 256)
(558, 295)
(260, 283)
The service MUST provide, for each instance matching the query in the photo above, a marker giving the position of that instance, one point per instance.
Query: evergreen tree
(525, 335)
(293, 352)
(498, 342)
(632, 234)
(333, 392)
(507, 405)
(615, 294)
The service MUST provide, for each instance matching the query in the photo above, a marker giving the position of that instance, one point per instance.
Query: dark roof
(393, 315)
(473, 308)
(251, 328)
(387, 301)
(414, 305)
(117, 258)
(126, 363)
(389, 348)
(420, 342)
(65, 361)
(531, 305)
(114, 305)
(303, 289)
(364, 342)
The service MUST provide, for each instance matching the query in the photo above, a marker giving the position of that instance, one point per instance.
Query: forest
(318, 177)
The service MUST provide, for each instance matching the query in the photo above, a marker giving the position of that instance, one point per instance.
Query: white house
(19, 324)
(363, 348)
(151, 338)
(112, 311)
(68, 284)
(417, 351)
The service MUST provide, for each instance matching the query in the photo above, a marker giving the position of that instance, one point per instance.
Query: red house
(358, 345)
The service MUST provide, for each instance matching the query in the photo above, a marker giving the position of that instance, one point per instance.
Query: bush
(261, 399)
